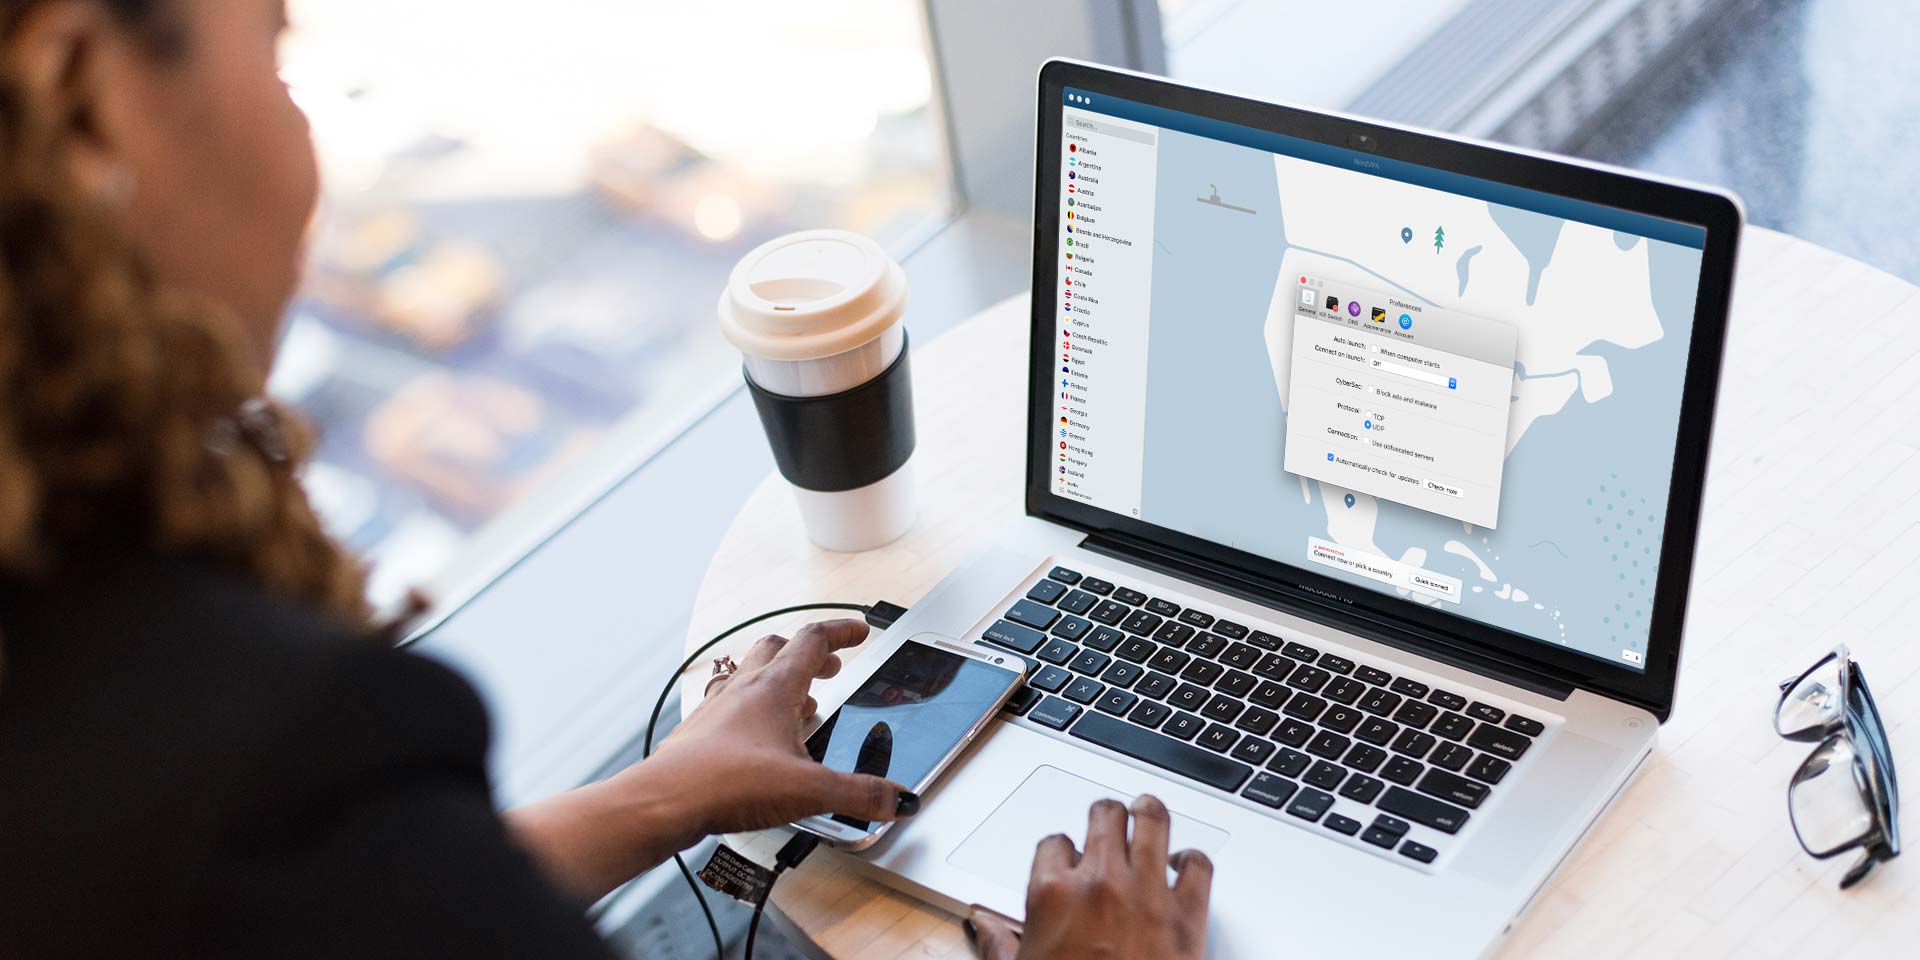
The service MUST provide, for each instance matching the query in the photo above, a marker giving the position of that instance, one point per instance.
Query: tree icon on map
(1439, 238)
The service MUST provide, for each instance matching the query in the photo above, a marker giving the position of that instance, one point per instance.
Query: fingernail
(972, 932)
(907, 805)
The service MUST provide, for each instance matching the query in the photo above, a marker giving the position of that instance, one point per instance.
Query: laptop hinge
(1413, 639)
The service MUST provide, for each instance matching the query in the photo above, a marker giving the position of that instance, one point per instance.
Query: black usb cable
(880, 616)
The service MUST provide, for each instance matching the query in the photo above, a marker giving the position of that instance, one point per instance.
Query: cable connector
(883, 615)
(794, 852)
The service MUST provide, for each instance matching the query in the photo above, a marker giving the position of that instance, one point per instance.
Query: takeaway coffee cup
(817, 316)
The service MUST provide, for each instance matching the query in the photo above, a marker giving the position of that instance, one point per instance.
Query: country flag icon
(1073, 148)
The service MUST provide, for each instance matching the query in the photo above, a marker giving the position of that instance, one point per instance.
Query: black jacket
(191, 767)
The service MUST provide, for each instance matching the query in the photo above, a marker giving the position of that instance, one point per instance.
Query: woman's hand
(738, 762)
(1113, 901)
(742, 752)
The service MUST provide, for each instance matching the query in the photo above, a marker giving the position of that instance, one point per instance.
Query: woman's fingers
(1054, 854)
(992, 938)
(864, 797)
(1193, 882)
(1106, 835)
(1148, 852)
(803, 657)
(762, 652)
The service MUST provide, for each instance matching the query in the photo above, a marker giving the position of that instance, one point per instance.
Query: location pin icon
(1349, 501)
(1406, 234)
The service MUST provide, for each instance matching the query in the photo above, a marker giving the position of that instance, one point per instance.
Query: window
(530, 211)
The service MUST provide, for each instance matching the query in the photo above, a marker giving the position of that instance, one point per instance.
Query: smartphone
(909, 720)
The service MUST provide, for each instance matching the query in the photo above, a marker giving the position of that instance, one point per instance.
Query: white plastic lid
(812, 294)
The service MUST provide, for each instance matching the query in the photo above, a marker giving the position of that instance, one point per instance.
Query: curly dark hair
(121, 402)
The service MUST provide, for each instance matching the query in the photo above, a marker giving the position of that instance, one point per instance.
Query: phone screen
(909, 715)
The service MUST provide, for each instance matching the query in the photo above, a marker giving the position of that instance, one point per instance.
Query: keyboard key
(1378, 678)
(1486, 711)
(1310, 679)
(1329, 745)
(1110, 612)
(1173, 633)
(1447, 701)
(1270, 694)
(1344, 690)
(1169, 660)
(1270, 790)
(1378, 701)
(1444, 817)
(1089, 662)
(1413, 743)
(1136, 649)
(1116, 702)
(1290, 762)
(1410, 688)
(1504, 744)
(1365, 758)
(1196, 619)
(1121, 674)
(1264, 640)
(1341, 824)
(1324, 775)
(1453, 789)
(1392, 824)
(1274, 667)
(1362, 788)
(1189, 696)
(1418, 851)
(1050, 678)
(1218, 738)
(1103, 639)
(1333, 663)
(1054, 712)
(1165, 608)
(1014, 636)
(1293, 733)
(1451, 756)
(1207, 645)
(1079, 601)
(1183, 726)
(1230, 630)
(1402, 771)
(1181, 758)
(1306, 706)
(1453, 726)
(1046, 591)
(1058, 651)
(1524, 726)
(1203, 672)
(1384, 839)
(1073, 628)
(1253, 750)
(1415, 714)
(1149, 714)
(1155, 685)
(1141, 622)
(1129, 596)
(1223, 708)
(1084, 690)
(1488, 769)
(1022, 701)
(1062, 574)
(1096, 585)
(1300, 652)
(1257, 720)
(1309, 804)
(1376, 731)
(1235, 684)
(1240, 656)
(1341, 719)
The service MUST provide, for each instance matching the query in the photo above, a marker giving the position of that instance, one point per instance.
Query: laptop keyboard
(1248, 712)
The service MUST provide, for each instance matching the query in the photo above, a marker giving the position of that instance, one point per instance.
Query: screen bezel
(1717, 213)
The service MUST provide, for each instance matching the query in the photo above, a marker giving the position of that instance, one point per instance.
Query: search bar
(1115, 130)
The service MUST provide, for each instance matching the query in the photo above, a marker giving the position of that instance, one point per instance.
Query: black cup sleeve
(843, 441)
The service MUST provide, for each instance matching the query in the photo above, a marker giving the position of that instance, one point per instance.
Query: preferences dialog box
(1403, 401)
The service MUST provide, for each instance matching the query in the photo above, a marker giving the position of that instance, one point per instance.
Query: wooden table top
(1811, 535)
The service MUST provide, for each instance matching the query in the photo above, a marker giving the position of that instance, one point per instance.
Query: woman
(205, 748)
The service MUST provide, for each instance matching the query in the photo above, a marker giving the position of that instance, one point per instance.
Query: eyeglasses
(1844, 797)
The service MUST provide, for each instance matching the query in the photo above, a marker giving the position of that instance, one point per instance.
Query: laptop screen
(1442, 388)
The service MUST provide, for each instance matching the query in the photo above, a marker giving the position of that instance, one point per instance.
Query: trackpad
(1054, 801)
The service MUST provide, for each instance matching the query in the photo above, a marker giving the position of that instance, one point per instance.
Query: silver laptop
(1364, 469)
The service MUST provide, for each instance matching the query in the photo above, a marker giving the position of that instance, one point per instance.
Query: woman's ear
(73, 60)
